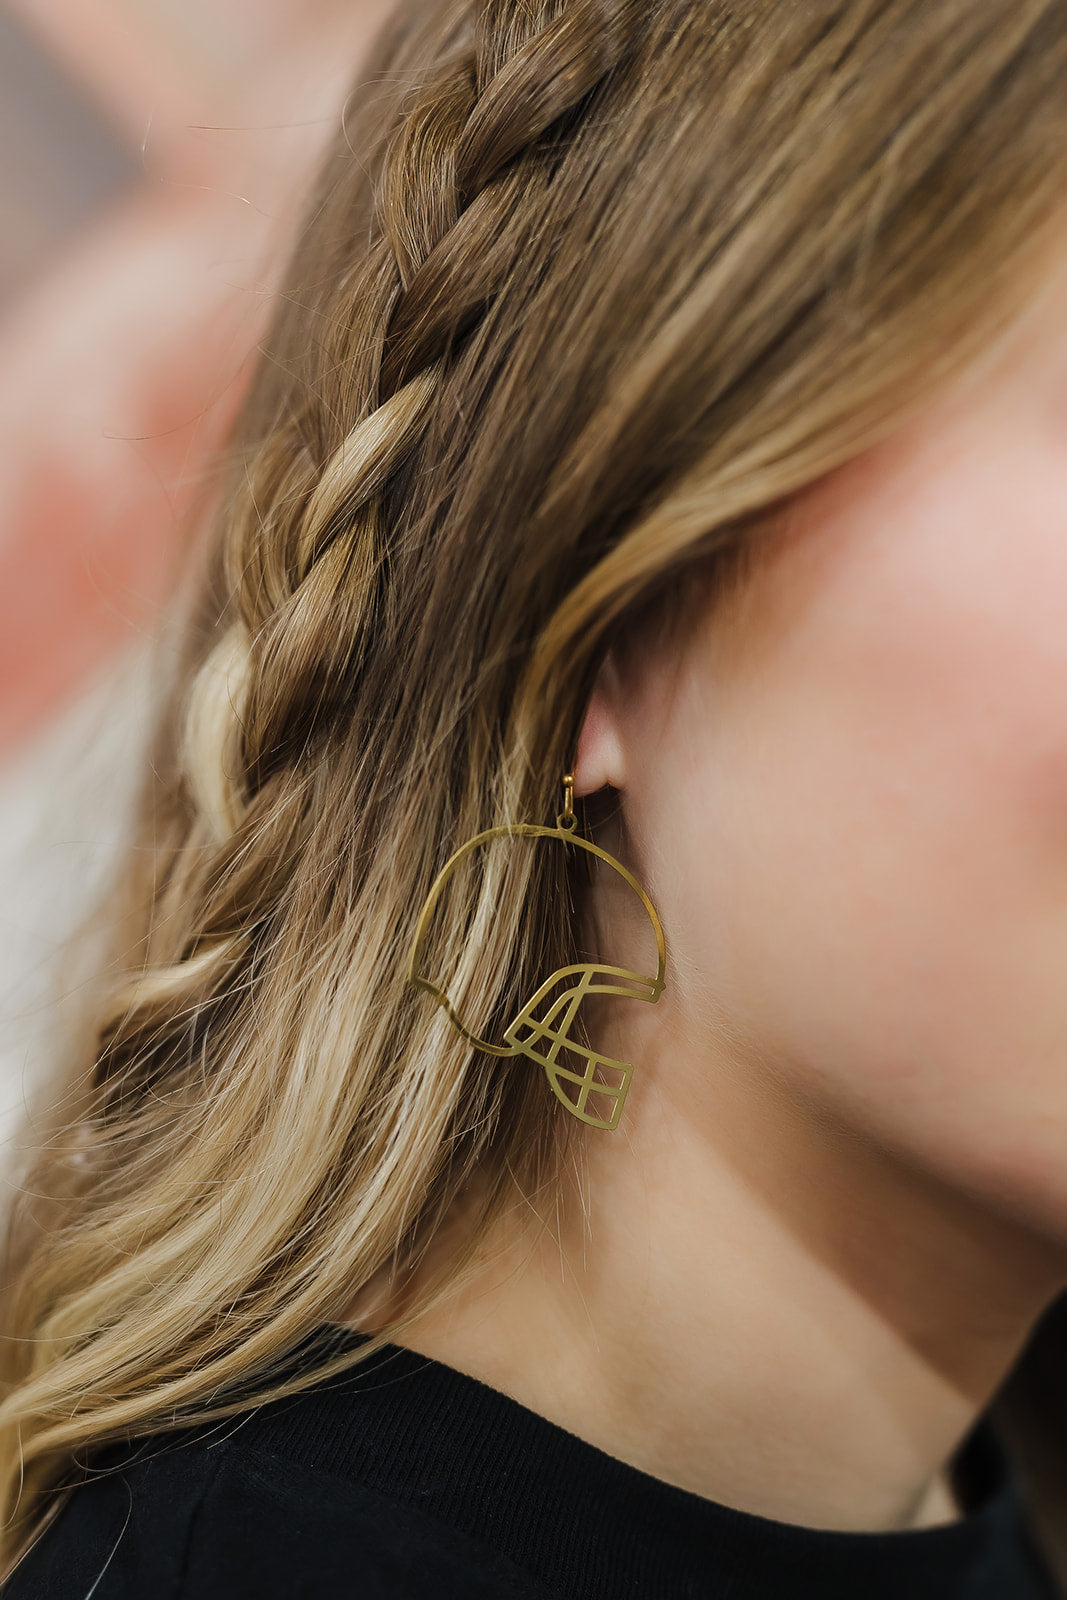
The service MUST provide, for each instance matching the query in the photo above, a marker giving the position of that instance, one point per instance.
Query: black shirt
(407, 1480)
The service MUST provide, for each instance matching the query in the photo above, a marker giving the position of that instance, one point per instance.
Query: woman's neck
(744, 1299)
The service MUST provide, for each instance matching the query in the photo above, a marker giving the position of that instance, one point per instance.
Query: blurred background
(154, 157)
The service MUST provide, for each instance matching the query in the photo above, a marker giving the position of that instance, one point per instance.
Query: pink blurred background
(154, 155)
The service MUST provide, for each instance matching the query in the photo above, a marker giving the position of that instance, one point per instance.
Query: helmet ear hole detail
(591, 1086)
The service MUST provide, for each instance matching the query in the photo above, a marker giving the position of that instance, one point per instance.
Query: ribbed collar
(595, 1528)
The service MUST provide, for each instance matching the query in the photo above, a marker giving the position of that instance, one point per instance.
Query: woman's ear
(600, 761)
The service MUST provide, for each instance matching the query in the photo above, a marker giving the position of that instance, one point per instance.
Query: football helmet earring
(541, 1030)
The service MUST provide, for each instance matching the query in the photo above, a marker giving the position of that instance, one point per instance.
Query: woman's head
(846, 774)
(588, 294)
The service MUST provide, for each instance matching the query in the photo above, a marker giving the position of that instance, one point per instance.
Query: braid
(471, 145)
(307, 557)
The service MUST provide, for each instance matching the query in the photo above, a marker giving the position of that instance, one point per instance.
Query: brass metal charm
(541, 1030)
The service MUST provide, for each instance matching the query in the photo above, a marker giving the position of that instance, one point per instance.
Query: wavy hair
(585, 291)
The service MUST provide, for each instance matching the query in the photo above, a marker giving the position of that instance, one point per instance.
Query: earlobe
(600, 760)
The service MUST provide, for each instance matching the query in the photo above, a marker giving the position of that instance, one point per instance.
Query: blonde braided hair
(588, 289)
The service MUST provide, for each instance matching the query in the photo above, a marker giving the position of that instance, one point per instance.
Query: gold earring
(541, 1030)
